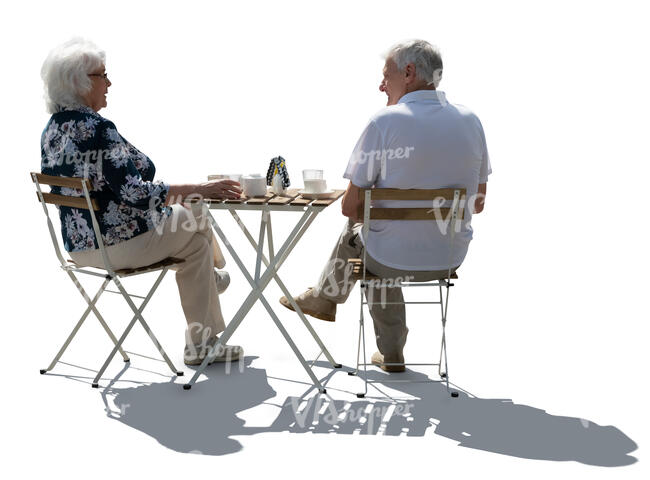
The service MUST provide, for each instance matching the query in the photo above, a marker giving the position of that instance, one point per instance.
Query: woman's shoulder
(81, 123)
(80, 113)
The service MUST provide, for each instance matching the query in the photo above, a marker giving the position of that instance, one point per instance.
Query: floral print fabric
(81, 143)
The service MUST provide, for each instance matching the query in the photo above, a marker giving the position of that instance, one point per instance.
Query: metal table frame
(260, 280)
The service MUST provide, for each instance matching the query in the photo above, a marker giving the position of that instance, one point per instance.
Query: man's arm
(479, 203)
(352, 202)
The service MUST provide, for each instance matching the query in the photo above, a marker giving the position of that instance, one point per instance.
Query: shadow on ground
(204, 420)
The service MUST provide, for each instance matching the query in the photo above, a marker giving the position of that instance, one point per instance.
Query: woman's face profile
(96, 97)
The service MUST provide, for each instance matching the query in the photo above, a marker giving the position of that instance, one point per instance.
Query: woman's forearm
(178, 193)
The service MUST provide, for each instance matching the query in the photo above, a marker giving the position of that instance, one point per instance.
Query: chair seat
(358, 269)
(124, 272)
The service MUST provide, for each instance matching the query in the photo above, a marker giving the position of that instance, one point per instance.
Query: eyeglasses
(103, 75)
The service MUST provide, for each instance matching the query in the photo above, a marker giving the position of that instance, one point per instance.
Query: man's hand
(352, 202)
(479, 203)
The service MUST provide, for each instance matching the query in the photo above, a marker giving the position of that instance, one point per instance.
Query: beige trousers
(336, 283)
(185, 234)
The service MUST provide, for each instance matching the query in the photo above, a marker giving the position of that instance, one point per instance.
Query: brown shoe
(378, 359)
(310, 305)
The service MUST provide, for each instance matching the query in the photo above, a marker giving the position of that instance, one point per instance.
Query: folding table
(292, 201)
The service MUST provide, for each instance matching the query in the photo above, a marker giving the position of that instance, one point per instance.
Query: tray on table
(291, 197)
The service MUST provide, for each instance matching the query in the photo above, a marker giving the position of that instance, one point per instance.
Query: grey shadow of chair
(492, 425)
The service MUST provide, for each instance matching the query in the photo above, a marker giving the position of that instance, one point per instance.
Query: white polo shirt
(422, 142)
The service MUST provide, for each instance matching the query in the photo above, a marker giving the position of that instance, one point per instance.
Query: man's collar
(437, 96)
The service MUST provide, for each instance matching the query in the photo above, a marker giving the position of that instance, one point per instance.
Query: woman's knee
(198, 247)
(189, 219)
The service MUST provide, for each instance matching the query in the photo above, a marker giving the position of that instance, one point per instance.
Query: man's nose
(382, 87)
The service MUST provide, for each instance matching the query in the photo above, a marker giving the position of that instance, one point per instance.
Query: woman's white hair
(425, 57)
(65, 73)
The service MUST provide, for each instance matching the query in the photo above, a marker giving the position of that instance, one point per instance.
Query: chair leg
(356, 370)
(362, 331)
(91, 307)
(138, 314)
(443, 366)
(66, 343)
(443, 342)
(101, 371)
(137, 317)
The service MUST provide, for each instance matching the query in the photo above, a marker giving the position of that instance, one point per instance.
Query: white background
(551, 308)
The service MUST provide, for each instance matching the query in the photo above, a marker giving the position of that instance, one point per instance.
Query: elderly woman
(141, 220)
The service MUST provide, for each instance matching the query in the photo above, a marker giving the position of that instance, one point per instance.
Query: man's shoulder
(386, 116)
(392, 113)
(463, 110)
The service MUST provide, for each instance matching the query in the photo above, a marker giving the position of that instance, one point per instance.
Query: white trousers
(185, 234)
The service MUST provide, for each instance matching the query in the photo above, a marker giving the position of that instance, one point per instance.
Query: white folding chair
(447, 219)
(107, 272)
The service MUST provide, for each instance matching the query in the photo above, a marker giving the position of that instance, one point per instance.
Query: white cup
(254, 185)
(315, 185)
(311, 174)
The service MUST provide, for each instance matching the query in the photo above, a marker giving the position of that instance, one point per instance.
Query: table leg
(269, 237)
(260, 248)
(258, 287)
(291, 343)
(284, 289)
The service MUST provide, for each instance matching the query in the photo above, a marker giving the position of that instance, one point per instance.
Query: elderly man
(418, 141)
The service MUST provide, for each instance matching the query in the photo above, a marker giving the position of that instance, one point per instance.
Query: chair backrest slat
(405, 213)
(67, 201)
(413, 194)
(450, 214)
(411, 213)
(70, 182)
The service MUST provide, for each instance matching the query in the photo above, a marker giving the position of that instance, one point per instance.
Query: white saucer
(316, 196)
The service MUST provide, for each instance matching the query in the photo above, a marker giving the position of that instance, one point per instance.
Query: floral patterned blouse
(78, 142)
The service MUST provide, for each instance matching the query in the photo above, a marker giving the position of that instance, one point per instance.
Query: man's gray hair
(425, 57)
(65, 73)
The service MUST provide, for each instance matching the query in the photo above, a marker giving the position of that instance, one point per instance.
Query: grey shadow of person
(202, 420)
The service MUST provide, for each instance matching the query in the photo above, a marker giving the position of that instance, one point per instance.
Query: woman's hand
(220, 189)
(217, 189)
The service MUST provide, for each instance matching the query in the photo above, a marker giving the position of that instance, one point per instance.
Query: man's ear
(409, 70)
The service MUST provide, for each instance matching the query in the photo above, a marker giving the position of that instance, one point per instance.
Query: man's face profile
(393, 83)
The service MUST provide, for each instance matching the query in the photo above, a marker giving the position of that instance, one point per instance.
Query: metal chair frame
(454, 213)
(110, 275)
